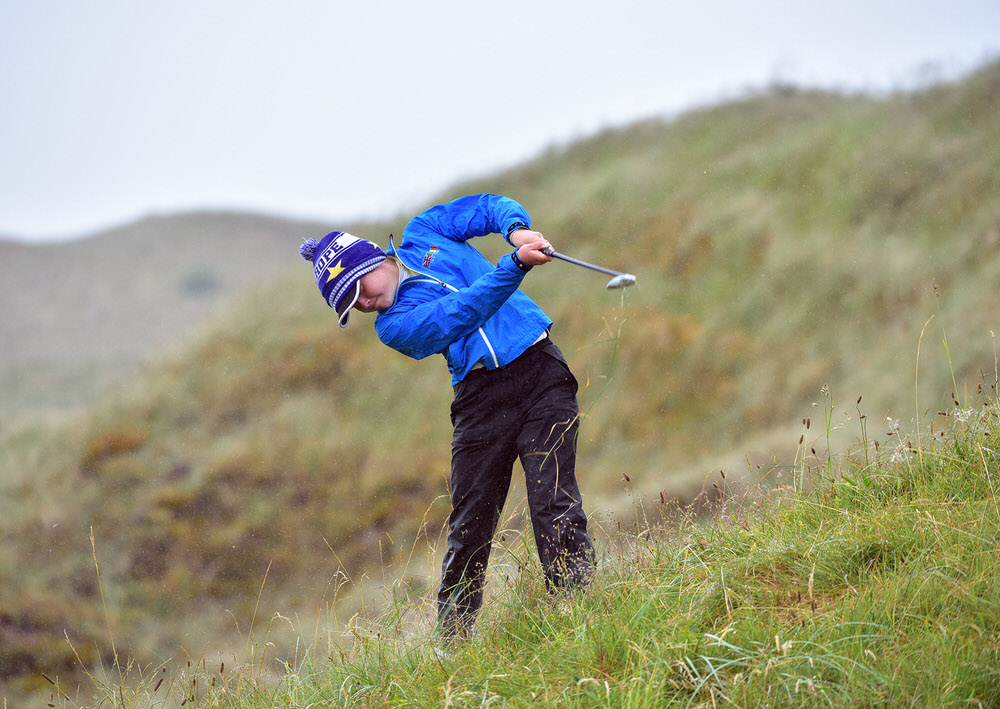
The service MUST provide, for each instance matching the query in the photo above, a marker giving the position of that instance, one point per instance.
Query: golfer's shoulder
(403, 327)
(452, 217)
(430, 219)
(415, 290)
(421, 231)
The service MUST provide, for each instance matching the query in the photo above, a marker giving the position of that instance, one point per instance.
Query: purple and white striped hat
(339, 261)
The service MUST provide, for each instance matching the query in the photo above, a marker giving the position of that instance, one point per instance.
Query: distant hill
(78, 314)
(795, 252)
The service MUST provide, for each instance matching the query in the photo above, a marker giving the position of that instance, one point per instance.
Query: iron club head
(620, 281)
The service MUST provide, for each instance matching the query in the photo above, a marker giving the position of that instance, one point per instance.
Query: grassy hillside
(80, 314)
(870, 580)
(790, 249)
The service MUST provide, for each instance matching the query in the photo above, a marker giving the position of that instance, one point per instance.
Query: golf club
(620, 280)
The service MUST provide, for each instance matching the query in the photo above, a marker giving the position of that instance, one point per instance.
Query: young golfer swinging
(515, 396)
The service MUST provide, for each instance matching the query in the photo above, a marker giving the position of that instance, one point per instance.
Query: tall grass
(872, 580)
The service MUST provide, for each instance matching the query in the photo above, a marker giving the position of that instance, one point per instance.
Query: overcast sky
(111, 110)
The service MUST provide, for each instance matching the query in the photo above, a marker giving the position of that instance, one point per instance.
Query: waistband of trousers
(541, 338)
(542, 341)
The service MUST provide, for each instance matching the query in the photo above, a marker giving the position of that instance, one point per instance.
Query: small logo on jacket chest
(429, 256)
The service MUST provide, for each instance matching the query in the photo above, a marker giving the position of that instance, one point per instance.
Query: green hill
(870, 581)
(790, 249)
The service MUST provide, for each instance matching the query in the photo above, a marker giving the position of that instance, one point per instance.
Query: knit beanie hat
(339, 262)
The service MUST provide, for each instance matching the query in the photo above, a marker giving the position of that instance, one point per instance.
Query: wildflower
(963, 416)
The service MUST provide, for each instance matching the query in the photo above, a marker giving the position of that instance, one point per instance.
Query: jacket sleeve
(421, 322)
(474, 215)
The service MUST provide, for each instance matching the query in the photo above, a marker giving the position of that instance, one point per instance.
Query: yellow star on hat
(335, 271)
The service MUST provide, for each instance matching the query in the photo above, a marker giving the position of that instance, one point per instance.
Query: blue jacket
(459, 304)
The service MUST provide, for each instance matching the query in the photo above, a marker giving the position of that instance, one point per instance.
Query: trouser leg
(547, 448)
(554, 500)
(483, 454)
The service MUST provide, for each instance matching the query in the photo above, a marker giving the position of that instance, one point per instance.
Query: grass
(871, 580)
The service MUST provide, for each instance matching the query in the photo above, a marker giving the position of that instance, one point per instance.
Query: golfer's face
(378, 290)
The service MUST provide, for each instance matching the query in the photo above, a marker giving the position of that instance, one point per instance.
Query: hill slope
(787, 248)
(80, 314)
(873, 585)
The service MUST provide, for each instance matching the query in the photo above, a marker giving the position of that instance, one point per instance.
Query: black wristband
(519, 263)
(512, 228)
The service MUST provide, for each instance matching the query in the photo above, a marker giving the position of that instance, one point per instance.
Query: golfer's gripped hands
(529, 246)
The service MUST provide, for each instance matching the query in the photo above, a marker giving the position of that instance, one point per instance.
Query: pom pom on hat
(308, 249)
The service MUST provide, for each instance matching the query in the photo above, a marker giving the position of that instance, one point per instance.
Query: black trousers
(526, 410)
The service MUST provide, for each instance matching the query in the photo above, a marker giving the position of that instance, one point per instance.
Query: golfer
(515, 396)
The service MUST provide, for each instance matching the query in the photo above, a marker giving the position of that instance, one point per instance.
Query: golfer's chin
(377, 306)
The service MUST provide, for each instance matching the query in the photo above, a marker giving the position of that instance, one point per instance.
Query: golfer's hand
(530, 252)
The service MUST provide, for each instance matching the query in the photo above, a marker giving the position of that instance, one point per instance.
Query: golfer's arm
(422, 323)
(474, 215)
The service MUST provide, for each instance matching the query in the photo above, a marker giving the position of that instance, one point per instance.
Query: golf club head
(621, 281)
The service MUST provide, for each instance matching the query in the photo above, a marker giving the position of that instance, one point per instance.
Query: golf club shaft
(564, 257)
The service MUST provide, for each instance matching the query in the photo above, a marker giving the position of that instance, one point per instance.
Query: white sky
(114, 109)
